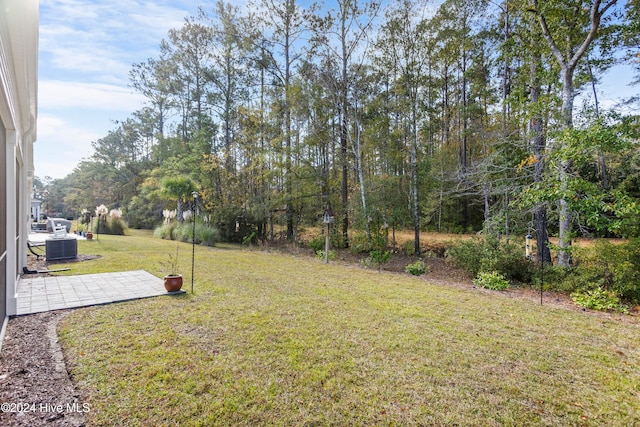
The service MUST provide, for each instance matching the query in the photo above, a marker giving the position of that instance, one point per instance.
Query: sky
(87, 48)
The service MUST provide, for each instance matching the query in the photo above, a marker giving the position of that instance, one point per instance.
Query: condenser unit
(61, 249)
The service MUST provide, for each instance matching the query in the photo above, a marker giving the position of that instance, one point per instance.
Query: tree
(404, 46)
(279, 112)
(227, 73)
(569, 40)
(178, 189)
(154, 79)
(538, 142)
(189, 51)
(597, 209)
(342, 36)
(287, 23)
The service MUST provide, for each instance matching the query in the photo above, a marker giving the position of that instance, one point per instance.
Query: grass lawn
(272, 339)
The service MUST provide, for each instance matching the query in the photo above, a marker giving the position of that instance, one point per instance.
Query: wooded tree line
(458, 116)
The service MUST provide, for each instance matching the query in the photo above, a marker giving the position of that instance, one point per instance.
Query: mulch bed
(34, 381)
(41, 263)
(35, 388)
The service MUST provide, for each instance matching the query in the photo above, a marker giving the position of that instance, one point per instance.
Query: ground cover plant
(273, 339)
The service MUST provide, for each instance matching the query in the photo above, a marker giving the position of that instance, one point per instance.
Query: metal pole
(193, 238)
(541, 279)
(542, 273)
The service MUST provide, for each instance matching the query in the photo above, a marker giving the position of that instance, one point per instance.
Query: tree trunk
(180, 211)
(538, 144)
(345, 181)
(363, 195)
(287, 136)
(564, 233)
(568, 64)
(487, 214)
(414, 166)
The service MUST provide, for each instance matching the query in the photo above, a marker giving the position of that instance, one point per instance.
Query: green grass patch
(272, 339)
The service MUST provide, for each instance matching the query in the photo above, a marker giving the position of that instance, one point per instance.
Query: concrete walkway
(38, 294)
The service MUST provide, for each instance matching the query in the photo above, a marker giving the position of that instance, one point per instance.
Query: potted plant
(172, 280)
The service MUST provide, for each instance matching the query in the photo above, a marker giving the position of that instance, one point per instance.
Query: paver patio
(38, 294)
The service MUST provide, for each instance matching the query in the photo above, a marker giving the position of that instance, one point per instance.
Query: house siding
(18, 114)
(3, 224)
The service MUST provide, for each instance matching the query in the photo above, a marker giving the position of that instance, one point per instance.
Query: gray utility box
(61, 248)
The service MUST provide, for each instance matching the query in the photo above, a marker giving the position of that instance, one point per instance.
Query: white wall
(18, 113)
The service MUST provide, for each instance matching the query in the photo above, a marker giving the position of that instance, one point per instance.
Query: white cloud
(55, 94)
(87, 48)
(52, 129)
(61, 145)
(103, 37)
(84, 60)
(71, 116)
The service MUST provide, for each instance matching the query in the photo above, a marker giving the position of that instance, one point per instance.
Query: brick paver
(38, 294)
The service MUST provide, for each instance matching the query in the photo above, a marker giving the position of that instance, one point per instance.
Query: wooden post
(326, 244)
(328, 219)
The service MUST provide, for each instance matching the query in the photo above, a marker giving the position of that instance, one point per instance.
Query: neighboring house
(18, 112)
(36, 210)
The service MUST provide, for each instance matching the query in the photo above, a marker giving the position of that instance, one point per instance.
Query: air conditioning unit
(61, 249)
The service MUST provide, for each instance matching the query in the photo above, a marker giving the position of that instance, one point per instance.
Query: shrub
(605, 266)
(320, 254)
(234, 225)
(491, 280)
(317, 244)
(601, 272)
(416, 268)
(599, 299)
(378, 257)
(360, 243)
(112, 225)
(165, 231)
(600, 269)
(492, 254)
(205, 234)
(552, 277)
(410, 247)
(436, 249)
(468, 255)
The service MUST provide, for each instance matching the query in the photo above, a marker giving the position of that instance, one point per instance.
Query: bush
(317, 244)
(609, 267)
(115, 226)
(359, 243)
(378, 258)
(599, 299)
(320, 254)
(410, 247)
(234, 225)
(553, 277)
(205, 234)
(491, 254)
(165, 231)
(417, 268)
(491, 280)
